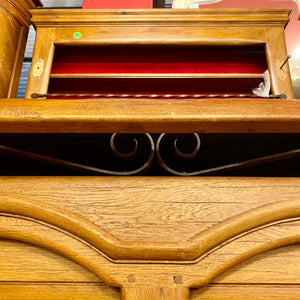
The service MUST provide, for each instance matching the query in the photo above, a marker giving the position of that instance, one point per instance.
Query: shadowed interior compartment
(159, 59)
(171, 69)
(153, 85)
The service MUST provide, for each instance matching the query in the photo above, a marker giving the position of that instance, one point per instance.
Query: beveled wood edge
(152, 116)
(117, 250)
(199, 17)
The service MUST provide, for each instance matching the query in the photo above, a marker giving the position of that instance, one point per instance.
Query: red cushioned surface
(155, 60)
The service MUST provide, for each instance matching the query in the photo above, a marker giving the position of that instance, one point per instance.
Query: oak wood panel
(43, 51)
(145, 278)
(155, 293)
(47, 222)
(11, 40)
(154, 275)
(57, 291)
(247, 292)
(213, 17)
(37, 265)
(133, 116)
(275, 51)
(279, 266)
(29, 263)
(267, 226)
(146, 204)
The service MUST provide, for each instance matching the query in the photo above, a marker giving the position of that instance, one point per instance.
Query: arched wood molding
(116, 250)
(115, 274)
(215, 250)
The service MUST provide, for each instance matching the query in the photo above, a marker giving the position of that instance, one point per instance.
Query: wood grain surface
(34, 264)
(155, 116)
(260, 292)
(160, 205)
(243, 260)
(58, 291)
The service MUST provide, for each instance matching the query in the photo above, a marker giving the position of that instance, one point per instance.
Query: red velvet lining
(154, 85)
(160, 59)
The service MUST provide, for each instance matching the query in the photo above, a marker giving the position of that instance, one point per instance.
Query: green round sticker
(77, 35)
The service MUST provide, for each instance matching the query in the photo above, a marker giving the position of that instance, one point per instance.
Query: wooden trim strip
(146, 115)
(159, 17)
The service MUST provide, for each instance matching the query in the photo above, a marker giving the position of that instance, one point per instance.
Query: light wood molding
(266, 268)
(144, 115)
(57, 291)
(159, 17)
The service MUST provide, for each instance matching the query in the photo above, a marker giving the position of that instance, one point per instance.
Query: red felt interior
(154, 85)
(159, 59)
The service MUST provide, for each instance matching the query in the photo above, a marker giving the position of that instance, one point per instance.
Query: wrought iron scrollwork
(136, 154)
(137, 170)
(189, 169)
(188, 150)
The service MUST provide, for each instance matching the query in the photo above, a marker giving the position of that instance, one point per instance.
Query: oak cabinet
(152, 237)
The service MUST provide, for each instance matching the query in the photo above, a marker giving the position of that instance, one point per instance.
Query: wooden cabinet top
(160, 17)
